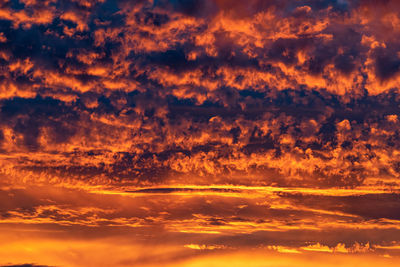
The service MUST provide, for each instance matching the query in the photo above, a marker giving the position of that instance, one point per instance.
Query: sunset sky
(199, 133)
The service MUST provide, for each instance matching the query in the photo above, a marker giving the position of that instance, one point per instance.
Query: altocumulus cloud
(197, 101)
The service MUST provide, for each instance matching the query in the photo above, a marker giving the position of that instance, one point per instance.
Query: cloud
(268, 124)
(297, 138)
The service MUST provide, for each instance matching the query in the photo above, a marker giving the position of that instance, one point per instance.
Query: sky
(199, 133)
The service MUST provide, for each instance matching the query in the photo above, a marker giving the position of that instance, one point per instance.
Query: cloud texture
(242, 119)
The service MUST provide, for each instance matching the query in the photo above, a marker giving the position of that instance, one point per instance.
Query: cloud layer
(263, 93)
(269, 124)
